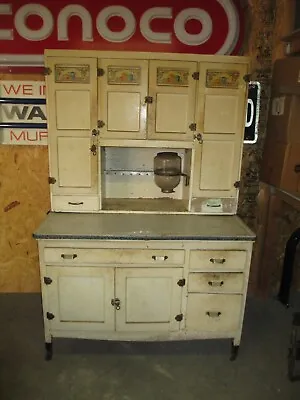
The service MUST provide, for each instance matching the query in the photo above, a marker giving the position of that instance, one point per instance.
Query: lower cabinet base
(233, 352)
(155, 291)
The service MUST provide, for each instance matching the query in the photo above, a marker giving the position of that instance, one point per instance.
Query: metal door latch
(116, 303)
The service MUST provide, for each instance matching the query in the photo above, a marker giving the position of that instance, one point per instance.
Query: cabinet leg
(48, 351)
(234, 351)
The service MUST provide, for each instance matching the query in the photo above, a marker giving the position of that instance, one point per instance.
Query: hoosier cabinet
(142, 241)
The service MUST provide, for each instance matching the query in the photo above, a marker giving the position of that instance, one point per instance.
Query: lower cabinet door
(150, 299)
(213, 312)
(79, 298)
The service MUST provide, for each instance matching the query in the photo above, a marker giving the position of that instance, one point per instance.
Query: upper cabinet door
(122, 110)
(171, 108)
(72, 116)
(222, 95)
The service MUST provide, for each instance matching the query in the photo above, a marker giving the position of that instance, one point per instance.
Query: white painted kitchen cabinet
(122, 257)
(72, 116)
(151, 299)
(145, 100)
(80, 298)
(164, 278)
(142, 99)
(222, 97)
(113, 298)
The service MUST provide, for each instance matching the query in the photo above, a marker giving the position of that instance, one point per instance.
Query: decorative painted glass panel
(172, 77)
(124, 75)
(72, 73)
(222, 79)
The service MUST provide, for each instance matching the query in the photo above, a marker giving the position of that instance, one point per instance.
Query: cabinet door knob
(160, 258)
(217, 260)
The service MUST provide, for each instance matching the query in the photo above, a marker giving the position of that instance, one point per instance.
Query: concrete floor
(84, 370)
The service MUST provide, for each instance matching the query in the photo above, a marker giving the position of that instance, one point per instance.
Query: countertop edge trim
(93, 237)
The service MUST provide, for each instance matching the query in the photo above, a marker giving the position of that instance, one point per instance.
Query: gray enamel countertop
(142, 227)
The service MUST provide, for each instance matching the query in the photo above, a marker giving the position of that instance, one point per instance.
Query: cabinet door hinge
(51, 180)
(47, 280)
(196, 76)
(93, 149)
(179, 317)
(237, 184)
(100, 123)
(47, 71)
(100, 72)
(95, 132)
(193, 126)
(181, 282)
(49, 315)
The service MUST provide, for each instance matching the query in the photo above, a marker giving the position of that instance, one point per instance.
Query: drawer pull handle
(216, 283)
(160, 258)
(217, 260)
(75, 204)
(68, 256)
(213, 314)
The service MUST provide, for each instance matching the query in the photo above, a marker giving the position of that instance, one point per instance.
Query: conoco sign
(185, 26)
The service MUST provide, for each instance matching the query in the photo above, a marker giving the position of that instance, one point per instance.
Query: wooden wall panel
(24, 201)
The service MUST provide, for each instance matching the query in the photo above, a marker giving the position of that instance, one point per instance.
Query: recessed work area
(145, 179)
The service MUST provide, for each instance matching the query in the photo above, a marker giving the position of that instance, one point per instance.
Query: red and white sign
(186, 26)
(28, 110)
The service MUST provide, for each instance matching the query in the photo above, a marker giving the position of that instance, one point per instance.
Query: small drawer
(75, 203)
(214, 312)
(216, 282)
(218, 259)
(113, 256)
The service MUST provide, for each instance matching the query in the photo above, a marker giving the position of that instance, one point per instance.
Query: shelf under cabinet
(158, 205)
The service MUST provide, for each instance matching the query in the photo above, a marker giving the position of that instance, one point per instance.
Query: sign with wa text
(23, 119)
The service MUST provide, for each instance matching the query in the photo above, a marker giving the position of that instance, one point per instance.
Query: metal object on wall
(253, 111)
(288, 267)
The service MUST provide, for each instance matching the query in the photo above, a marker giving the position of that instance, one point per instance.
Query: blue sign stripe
(12, 100)
(25, 125)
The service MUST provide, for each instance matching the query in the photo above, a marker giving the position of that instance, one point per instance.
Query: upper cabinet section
(172, 93)
(123, 88)
(72, 118)
(111, 113)
(141, 99)
(72, 83)
(222, 95)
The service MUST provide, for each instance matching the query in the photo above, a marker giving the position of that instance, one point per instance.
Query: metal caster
(234, 351)
(48, 351)
(294, 350)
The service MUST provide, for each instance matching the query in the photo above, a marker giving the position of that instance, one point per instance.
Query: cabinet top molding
(147, 56)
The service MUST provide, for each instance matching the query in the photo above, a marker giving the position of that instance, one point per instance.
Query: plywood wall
(24, 202)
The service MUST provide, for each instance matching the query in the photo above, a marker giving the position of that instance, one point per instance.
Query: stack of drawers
(216, 284)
